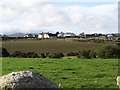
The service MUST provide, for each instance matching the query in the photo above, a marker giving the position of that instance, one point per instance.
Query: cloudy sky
(34, 16)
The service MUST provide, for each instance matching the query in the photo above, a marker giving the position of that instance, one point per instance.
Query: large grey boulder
(25, 79)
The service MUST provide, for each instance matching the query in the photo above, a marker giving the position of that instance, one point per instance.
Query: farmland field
(49, 46)
(69, 72)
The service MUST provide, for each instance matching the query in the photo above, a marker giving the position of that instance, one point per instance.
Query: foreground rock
(25, 79)
(118, 81)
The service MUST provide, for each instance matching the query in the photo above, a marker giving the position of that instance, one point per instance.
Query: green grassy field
(49, 46)
(69, 73)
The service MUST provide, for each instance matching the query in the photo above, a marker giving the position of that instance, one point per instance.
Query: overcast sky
(35, 16)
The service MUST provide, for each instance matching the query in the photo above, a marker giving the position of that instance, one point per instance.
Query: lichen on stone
(25, 79)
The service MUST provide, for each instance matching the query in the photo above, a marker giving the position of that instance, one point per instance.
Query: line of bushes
(110, 51)
(19, 54)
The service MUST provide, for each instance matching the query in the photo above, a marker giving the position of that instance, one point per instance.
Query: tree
(5, 37)
(57, 33)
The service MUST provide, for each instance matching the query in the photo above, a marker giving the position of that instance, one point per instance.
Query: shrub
(109, 51)
(4, 53)
(24, 55)
(79, 54)
(56, 55)
(116, 51)
(100, 53)
(18, 54)
(72, 54)
(31, 55)
(92, 54)
(84, 54)
(42, 55)
(47, 54)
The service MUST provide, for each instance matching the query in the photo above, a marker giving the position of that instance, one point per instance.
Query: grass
(69, 72)
(49, 46)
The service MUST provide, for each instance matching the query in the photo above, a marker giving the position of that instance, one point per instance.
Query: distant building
(69, 34)
(40, 36)
(95, 35)
(29, 36)
(60, 35)
(46, 36)
(66, 35)
(109, 35)
(43, 36)
(82, 35)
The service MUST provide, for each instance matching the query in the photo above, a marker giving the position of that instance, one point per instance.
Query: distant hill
(16, 35)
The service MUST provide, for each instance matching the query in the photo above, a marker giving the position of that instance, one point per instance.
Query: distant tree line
(110, 51)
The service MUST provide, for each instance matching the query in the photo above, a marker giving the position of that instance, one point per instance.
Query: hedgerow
(110, 51)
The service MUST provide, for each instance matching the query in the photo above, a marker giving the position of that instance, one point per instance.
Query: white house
(60, 34)
(40, 36)
(109, 35)
(43, 36)
(69, 34)
(29, 36)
